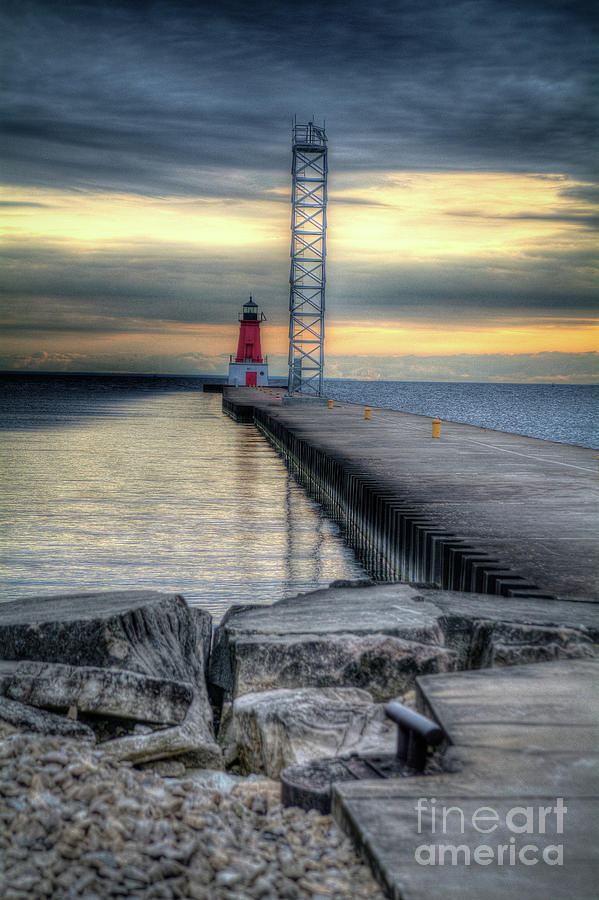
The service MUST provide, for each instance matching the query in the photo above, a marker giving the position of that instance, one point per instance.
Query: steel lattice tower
(308, 251)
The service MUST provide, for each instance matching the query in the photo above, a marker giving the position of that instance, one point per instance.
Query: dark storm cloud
(572, 217)
(18, 204)
(588, 193)
(50, 288)
(543, 282)
(158, 97)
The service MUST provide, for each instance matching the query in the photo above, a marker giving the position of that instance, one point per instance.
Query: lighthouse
(249, 367)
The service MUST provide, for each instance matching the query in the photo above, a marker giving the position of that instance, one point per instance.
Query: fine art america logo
(530, 828)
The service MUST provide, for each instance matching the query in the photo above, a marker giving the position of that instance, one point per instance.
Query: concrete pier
(474, 510)
(524, 739)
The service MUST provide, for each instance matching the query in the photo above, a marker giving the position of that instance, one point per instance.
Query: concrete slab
(520, 695)
(303, 401)
(517, 850)
(521, 707)
(464, 863)
(102, 691)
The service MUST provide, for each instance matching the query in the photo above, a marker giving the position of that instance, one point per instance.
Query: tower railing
(263, 361)
(308, 252)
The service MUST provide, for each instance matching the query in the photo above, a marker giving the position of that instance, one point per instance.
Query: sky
(145, 165)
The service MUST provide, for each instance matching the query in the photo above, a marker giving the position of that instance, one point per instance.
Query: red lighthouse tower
(249, 367)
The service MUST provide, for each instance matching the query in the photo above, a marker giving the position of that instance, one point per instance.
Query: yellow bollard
(436, 428)
(367, 412)
(330, 404)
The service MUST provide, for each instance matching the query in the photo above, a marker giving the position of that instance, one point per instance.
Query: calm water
(568, 413)
(115, 483)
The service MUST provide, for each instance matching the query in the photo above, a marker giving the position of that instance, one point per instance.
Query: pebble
(79, 824)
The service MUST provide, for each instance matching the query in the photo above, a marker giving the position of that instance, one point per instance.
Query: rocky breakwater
(124, 669)
(307, 677)
(91, 684)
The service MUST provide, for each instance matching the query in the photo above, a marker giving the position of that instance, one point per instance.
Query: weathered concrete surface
(153, 634)
(112, 692)
(530, 506)
(28, 718)
(523, 736)
(510, 644)
(268, 731)
(381, 637)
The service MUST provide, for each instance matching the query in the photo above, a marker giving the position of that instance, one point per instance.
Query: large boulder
(383, 664)
(142, 631)
(382, 637)
(91, 689)
(154, 635)
(515, 644)
(268, 731)
(316, 640)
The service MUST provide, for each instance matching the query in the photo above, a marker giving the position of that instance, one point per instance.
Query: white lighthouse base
(242, 374)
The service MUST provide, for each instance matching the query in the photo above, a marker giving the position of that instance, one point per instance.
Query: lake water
(129, 483)
(567, 413)
(115, 482)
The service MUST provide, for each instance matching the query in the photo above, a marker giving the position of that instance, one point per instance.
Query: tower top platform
(310, 136)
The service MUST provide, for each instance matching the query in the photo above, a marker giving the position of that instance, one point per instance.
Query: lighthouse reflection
(305, 546)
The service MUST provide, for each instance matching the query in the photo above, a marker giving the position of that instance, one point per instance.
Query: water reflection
(304, 546)
(157, 490)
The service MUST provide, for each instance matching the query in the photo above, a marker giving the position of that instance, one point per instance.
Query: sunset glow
(389, 339)
(420, 218)
(85, 221)
(413, 216)
(147, 184)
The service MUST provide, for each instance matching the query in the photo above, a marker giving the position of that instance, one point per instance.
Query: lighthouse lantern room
(248, 366)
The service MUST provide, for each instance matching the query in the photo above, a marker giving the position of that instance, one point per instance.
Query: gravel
(74, 823)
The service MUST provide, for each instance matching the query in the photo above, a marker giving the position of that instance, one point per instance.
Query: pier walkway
(476, 509)
(495, 513)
